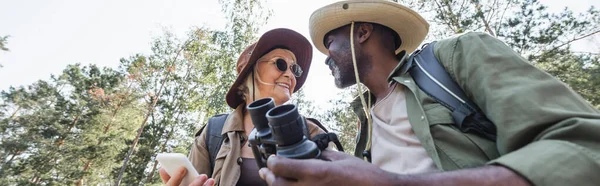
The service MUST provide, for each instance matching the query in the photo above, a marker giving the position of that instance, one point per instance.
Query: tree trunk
(149, 179)
(482, 17)
(61, 141)
(88, 164)
(162, 149)
(164, 145)
(150, 111)
(14, 113)
(4, 166)
(36, 179)
(140, 130)
(114, 114)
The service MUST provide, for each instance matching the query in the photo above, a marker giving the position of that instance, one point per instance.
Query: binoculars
(280, 131)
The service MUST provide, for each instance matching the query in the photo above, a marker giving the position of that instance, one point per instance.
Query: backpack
(433, 79)
(214, 139)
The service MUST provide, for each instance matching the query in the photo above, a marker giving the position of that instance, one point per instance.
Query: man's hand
(342, 169)
(201, 180)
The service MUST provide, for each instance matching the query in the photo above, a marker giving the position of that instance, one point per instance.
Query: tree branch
(591, 53)
(502, 16)
(448, 21)
(575, 39)
(482, 17)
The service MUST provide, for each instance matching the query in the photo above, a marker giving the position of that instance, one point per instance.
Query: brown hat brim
(276, 38)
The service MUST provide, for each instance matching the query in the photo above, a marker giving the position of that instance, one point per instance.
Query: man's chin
(338, 84)
(342, 85)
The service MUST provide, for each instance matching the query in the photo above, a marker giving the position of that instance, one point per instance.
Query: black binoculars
(279, 130)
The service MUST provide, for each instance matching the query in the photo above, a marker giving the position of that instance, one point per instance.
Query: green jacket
(546, 132)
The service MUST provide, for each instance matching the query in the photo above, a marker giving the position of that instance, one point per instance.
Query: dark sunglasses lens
(297, 70)
(281, 65)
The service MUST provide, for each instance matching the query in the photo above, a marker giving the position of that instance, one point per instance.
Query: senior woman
(276, 66)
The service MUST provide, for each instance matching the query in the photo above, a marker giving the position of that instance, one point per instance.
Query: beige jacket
(227, 171)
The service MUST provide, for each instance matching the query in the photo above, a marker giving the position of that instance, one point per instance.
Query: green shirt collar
(400, 69)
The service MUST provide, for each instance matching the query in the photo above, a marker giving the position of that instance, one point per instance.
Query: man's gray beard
(337, 75)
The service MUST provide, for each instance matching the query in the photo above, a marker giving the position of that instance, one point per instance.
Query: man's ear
(364, 31)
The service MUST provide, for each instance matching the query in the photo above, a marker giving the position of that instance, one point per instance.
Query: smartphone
(172, 161)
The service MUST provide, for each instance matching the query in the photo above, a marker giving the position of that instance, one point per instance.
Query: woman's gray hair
(246, 89)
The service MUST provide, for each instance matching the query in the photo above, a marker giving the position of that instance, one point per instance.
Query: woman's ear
(364, 32)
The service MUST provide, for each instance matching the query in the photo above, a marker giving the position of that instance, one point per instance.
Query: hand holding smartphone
(173, 161)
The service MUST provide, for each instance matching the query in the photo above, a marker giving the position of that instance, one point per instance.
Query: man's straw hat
(408, 24)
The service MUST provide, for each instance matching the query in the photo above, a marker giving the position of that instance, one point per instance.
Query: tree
(3, 41)
(211, 57)
(526, 25)
(79, 128)
(27, 134)
(449, 17)
(108, 132)
(171, 106)
(21, 130)
(52, 123)
(545, 39)
(167, 61)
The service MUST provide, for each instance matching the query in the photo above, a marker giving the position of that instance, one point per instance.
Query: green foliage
(545, 38)
(449, 17)
(78, 128)
(192, 70)
(44, 138)
(542, 37)
(3, 41)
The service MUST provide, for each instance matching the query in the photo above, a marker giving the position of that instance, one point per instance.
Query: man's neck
(377, 80)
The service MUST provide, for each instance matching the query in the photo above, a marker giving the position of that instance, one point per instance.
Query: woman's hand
(176, 179)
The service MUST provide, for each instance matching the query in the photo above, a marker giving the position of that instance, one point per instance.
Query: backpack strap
(316, 122)
(305, 129)
(433, 79)
(214, 139)
(322, 140)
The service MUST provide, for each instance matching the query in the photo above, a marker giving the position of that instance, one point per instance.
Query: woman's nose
(288, 73)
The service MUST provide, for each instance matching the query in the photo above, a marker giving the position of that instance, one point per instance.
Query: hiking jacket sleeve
(199, 156)
(547, 133)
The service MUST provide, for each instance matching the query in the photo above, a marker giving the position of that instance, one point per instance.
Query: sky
(46, 36)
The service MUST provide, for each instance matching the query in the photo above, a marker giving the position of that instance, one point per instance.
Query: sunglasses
(282, 65)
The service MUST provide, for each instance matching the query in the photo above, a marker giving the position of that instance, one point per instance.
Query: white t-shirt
(395, 147)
